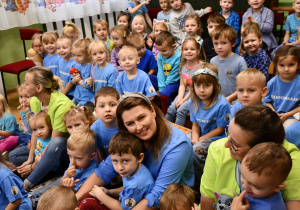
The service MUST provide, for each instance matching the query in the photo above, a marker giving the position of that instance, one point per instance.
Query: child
(126, 153)
(265, 19)
(251, 50)
(71, 31)
(228, 63)
(178, 196)
(103, 73)
(168, 62)
(12, 193)
(262, 188)
(37, 45)
(101, 31)
(118, 34)
(58, 197)
(209, 112)
(64, 49)
(135, 7)
(106, 126)
(9, 128)
(178, 15)
(124, 19)
(139, 26)
(166, 11)
(231, 18)
(283, 96)
(212, 22)
(83, 95)
(191, 57)
(192, 25)
(251, 88)
(133, 79)
(52, 58)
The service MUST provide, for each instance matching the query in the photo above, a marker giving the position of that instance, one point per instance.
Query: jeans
(56, 150)
(19, 156)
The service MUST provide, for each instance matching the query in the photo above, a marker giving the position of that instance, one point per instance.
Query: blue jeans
(56, 150)
(180, 113)
(19, 156)
(170, 91)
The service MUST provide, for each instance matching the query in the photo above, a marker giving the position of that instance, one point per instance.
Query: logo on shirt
(14, 190)
(130, 202)
(229, 73)
(151, 89)
(181, 21)
(227, 117)
(167, 68)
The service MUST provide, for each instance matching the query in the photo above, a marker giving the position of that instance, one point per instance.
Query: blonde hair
(4, 104)
(122, 31)
(195, 17)
(32, 117)
(248, 28)
(135, 19)
(100, 46)
(65, 38)
(72, 29)
(83, 44)
(127, 49)
(82, 113)
(100, 22)
(207, 79)
(252, 73)
(83, 139)
(37, 36)
(50, 36)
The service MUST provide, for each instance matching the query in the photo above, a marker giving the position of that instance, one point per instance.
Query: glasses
(37, 46)
(231, 144)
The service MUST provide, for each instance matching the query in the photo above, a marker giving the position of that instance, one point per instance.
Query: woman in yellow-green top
(250, 126)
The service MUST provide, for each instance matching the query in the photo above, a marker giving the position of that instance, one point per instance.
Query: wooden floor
(13, 102)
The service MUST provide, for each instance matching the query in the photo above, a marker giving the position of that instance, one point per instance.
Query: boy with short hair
(126, 153)
(133, 79)
(168, 62)
(106, 126)
(228, 63)
(212, 22)
(251, 88)
(263, 171)
(101, 30)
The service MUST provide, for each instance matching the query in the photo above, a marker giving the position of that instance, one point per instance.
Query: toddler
(126, 153)
(135, 7)
(101, 30)
(124, 18)
(192, 27)
(261, 187)
(166, 11)
(71, 31)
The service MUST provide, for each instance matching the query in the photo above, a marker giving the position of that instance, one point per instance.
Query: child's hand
(249, 19)
(195, 207)
(71, 171)
(69, 182)
(89, 81)
(97, 191)
(283, 117)
(149, 41)
(25, 171)
(76, 79)
(240, 202)
(178, 103)
(22, 108)
(208, 9)
(146, 2)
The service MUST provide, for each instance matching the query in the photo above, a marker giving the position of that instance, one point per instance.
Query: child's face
(80, 159)
(50, 46)
(128, 61)
(106, 109)
(252, 43)
(138, 25)
(37, 46)
(250, 91)
(40, 128)
(190, 51)
(74, 123)
(296, 6)
(287, 68)
(204, 91)
(99, 56)
(256, 4)
(79, 56)
(101, 32)
(223, 47)
(123, 20)
(176, 5)
(191, 27)
(158, 28)
(141, 48)
(24, 98)
(164, 4)
(126, 165)
(64, 48)
(226, 5)
(211, 26)
(165, 50)
(118, 40)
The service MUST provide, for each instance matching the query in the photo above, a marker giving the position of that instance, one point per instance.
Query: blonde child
(101, 31)
(135, 7)
(138, 25)
(103, 73)
(13, 195)
(119, 34)
(9, 128)
(64, 50)
(166, 11)
(83, 94)
(178, 196)
(36, 41)
(71, 31)
(192, 25)
(52, 58)
(251, 50)
(124, 18)
(191, 57)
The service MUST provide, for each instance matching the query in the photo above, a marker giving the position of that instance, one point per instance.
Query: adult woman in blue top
(168, 155)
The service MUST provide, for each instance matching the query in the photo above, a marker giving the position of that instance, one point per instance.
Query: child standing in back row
(192, 26)
(135, 7)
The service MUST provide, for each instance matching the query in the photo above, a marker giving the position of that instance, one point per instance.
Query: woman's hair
(177, 196)
(194, 16)
(100, 22)
(284, 51)
(248, 28)
(206, 79)
(50, 36)
(122, 31)
(83, 44)
(136, 19)
(39, 115)
(126, 14)
(201, 55)
(262, 122)
(100, 46)
(81, 113)
(70, 28)
(4, 104)
(163, 131)
(44, 76)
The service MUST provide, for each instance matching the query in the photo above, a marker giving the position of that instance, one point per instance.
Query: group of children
(206, 78)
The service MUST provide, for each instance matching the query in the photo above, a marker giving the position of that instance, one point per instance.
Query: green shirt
(220, 172)
(59, 104)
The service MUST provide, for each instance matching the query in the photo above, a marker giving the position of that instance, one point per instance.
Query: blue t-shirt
(104, 77)
(147, 62)
(209, 119)
(41, 144)
(11, 189)
(83, 95)
(292, 24)
(237, 106)
(284, 96)
(8, 123)
(103, 134)
(143, 9)
(52, 63)
(161, 15)
(64, 73)
(274, 202)
(136, 188)
(140, 83)
(175, 165)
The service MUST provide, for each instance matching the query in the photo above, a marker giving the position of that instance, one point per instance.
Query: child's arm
(181, 92)
(70, 172)
(14, 205)
(67, 88)
(5, 134)
(202, 12)
(289, 114)
(286, 37)
(231, 97)
(268, 24)
(271, 106)
(195, 132)
(101, 194)
(26, 167)
(133, 10)
(240, 202)
(213, 133)
(148, 19)
(152, 71)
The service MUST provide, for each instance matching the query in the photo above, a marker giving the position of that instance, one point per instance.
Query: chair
(20, 66)
(153, 12)
(278, 20)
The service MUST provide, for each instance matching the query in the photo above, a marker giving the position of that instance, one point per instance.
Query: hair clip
(200, 42)
(133, 95)
(206, 71)
(82, 108)
(30, 114)
(75, 110)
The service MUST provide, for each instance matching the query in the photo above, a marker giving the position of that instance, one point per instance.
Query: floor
(13, 102)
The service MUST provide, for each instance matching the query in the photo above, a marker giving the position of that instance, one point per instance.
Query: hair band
(206, 71)
(133, 95)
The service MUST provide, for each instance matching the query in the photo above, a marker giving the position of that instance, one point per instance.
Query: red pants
(90, 203)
